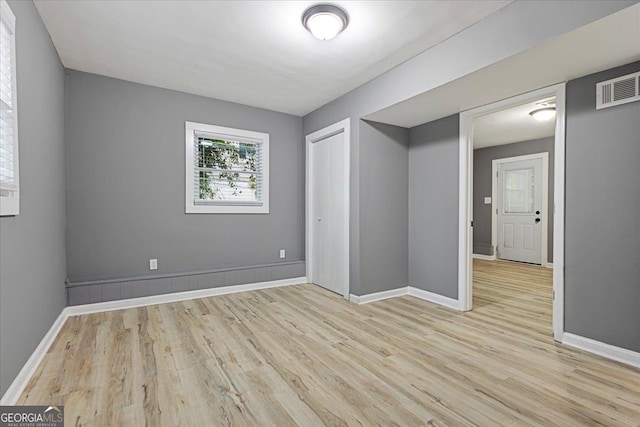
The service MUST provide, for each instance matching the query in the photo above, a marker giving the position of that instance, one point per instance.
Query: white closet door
(328, 190)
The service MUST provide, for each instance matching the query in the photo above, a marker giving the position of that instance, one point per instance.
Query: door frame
(465, 213)
(343, 126)
(495, 163)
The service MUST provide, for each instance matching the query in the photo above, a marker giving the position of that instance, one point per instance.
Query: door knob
(537, 220)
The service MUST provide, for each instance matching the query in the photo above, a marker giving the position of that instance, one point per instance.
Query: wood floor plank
(300, 355)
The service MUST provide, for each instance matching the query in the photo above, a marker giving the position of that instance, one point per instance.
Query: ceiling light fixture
(325, 21)
(543, 114)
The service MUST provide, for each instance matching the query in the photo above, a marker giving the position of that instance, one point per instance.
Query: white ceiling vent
(618, 91)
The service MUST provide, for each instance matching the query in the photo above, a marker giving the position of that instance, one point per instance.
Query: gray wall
(143, 286)
(602, 240)
(118, 218)
(433, 206)
(32, 244)
(513, 29)
(482, 182)
(125, 193)
(384, 200)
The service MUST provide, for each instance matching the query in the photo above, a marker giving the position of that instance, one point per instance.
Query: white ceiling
(511, 125)
(603, 44)
(252, 52)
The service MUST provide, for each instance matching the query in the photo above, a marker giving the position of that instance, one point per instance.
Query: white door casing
(519, 219)
(465, 214)
(327, 207)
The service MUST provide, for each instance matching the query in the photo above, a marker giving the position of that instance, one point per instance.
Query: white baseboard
(378, 296)
(407, 290)
(484, 257)
(493, 258)
(605, 350)
(435, 298)
(20, 382)
(18, 385)
(76, 310)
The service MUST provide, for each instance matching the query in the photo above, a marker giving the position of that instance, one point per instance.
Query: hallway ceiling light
(325, 21)
(544, 114)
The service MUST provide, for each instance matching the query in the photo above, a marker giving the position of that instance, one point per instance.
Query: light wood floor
(302, 356)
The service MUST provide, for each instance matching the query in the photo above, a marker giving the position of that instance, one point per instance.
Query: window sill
(227, 209)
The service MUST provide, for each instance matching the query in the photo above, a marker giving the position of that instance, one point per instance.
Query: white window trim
(11, 205)
(228, 208)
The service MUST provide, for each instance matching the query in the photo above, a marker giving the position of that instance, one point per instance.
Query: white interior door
(329, 215)
(519, 207)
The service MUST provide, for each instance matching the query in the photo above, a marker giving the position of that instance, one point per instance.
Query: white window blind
(9, 188)
(227, 170)
(519, 191)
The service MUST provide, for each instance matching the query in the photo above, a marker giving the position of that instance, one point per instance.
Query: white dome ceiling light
(325, 21)
(544, 114)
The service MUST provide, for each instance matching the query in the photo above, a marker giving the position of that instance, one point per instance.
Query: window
(518, 191)
(9, 188)
(227, 170)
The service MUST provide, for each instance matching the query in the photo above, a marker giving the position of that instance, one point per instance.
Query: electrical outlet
(281, 253)
(153, 264)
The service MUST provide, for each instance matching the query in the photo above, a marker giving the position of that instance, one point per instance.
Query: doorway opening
(512, 204)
